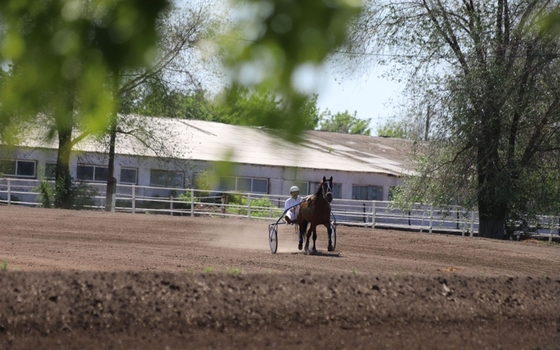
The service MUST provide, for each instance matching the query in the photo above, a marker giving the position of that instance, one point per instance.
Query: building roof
(211, 141)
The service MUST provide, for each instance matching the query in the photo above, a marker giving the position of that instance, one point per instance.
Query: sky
(370, 95)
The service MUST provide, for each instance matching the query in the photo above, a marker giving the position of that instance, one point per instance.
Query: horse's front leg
(314, 251)
(330, 248)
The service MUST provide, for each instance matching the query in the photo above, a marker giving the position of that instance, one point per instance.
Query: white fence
(194, 202)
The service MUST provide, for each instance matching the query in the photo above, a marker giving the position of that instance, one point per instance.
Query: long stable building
(173, 152)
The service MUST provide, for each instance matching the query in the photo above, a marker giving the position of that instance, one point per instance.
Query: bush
(80, 195)
(260, 207)
(83, 195)
(186, 197)
(46, 194)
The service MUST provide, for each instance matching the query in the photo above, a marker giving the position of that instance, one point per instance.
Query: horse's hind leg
(302, 229)
(314, 240)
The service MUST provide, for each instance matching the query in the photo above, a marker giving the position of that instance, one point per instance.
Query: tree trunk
(111, 181)
(64, 118)
(111, 167)
(492, 201)
(492, 206)
(63, 192)
(489, 227)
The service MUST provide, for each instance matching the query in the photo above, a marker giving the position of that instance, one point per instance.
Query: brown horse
(316, 210)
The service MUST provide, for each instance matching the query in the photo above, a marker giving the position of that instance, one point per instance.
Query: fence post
(373, 213)
(552, 219)
(133, 199)
(463, 225)
(171, 205)
(366, 216)
(431, 216)
(224, 203)
(192, 201)
(249, 205)
(472, 224)
(9, 191)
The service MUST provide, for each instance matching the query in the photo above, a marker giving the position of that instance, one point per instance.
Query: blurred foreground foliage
(276, 43)
(61, 55)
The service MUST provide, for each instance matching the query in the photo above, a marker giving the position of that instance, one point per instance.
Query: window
(165, 178)
(92, 173)
(50, 170)
(244, 184)
(20, 168)
(260, 186)
(374, 193)
(129, 176)
(101, 174)
(336, 189)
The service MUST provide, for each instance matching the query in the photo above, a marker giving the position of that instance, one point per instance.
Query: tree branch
(447, 35)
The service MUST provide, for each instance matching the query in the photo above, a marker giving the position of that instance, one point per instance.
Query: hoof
(307, 252)
(314, 252)
(300, 246)
(330, 248)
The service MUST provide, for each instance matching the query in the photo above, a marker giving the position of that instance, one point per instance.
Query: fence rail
(196, 202)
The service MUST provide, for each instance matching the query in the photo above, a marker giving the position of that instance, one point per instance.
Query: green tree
(392, 129)
(411, 125)
(179, 31)
(72, 59)
(63, 53)
(344, 122)
(244, 107)
(311, 114)
(272, 42)
(172, 104)
(248, 107)
(491, 77)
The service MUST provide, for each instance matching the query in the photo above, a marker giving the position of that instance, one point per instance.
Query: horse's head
(326, 188)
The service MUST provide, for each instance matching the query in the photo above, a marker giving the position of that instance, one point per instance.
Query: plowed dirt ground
(94, 280)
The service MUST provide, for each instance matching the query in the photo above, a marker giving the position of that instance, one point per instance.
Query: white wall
(280, 178)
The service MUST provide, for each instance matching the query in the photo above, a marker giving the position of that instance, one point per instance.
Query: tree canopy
(243, 107)
(272, 42)
(344, 122)
(63, 57)
(490, 75)
(55, 46)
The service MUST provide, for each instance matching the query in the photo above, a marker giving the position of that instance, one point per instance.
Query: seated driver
(291, 215)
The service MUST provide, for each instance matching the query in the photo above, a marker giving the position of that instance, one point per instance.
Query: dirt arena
(94, 280)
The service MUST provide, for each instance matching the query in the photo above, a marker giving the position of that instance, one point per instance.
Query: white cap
(294, 189)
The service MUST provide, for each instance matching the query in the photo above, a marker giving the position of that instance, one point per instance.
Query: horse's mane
(319, 192)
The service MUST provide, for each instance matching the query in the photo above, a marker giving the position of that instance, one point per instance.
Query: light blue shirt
(291, 202)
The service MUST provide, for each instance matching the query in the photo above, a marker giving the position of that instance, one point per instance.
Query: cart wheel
(333, 235)
(273, 238)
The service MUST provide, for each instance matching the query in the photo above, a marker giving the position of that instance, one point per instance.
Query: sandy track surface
(80, 279)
